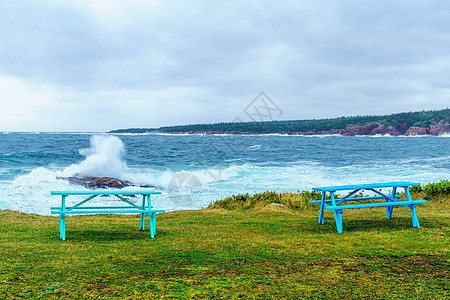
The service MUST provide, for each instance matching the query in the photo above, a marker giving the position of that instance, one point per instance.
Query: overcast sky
(97, 65)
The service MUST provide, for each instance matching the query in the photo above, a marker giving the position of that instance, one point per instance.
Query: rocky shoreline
(380, 129)
(400, 129)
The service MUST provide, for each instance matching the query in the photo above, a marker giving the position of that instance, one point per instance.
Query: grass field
(270, 252)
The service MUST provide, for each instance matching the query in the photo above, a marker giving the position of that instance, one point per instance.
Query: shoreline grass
(266, 252)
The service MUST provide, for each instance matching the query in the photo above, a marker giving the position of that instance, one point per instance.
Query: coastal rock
(413, 131)
(439, 128)
(369, 129)
(105, 182)
(401, 127)
(97, 182)
(377, 128)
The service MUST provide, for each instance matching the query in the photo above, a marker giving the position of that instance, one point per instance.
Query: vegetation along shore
(408, 123)
(263, 246)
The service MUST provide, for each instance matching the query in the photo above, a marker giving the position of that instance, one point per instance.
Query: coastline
(351, 130)
(433, 123)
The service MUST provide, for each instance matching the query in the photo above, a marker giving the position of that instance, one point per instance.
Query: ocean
(193, 171)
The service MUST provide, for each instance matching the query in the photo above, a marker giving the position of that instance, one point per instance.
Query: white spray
(31, 192)
(103, 159)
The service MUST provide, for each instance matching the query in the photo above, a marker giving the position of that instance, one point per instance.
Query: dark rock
(401, 127)
(97, 182)
(369, 129)
(104, 182)
(413, 130)
(150, 186)
(439, 128)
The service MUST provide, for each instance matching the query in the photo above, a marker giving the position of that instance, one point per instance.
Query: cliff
(380, 129)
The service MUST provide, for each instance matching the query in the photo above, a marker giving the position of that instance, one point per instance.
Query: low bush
(297, 201)
(433, 190)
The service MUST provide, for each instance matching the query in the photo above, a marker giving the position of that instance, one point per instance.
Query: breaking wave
(191, 186)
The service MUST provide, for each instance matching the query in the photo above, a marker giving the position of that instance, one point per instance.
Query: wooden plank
(98, 207)
(82, 202)
(105, 193)
(363, 205)
(352, 199)
(364, 186)
(96, 211)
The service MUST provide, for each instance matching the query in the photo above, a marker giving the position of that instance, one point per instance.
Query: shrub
(298, 201)
(433, 190)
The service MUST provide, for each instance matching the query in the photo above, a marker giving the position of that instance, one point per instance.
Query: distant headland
(435, 122)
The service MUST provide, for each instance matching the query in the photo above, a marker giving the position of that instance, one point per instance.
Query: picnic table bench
(145, 208)
(335, 204)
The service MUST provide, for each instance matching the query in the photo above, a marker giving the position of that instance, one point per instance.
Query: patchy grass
(298, 201)
(268, 252)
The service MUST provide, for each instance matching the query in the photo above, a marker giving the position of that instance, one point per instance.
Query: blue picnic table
(388, 200)
(144, 208)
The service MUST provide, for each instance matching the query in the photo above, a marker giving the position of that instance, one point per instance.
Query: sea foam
(31, 192)
(189, 186)
(103, 158)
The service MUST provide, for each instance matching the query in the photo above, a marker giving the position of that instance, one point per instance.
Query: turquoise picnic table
(144, 208)
(388, 200)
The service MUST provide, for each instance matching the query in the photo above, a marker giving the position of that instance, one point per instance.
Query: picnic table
(145, 208)
(389, 201)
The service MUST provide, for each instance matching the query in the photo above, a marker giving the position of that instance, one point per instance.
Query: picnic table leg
(153, 228)
(408, 195)
(338, 218)
(152, 222)
(390, 209)
(142, 223)
(151, 218)
(62, 229)
(62, 226)
(415, 220)
(322, 204)
(62, 219)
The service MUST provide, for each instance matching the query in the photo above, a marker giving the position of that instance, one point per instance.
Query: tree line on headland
(434, 122)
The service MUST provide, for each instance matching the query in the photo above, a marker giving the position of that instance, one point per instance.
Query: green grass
(268, 252)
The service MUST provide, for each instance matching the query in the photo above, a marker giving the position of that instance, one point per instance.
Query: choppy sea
(193, 171)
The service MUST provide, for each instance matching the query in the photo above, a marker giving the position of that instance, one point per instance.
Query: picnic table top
(364, 186)
(107, 192)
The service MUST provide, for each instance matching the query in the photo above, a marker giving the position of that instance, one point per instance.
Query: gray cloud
(155, 63)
